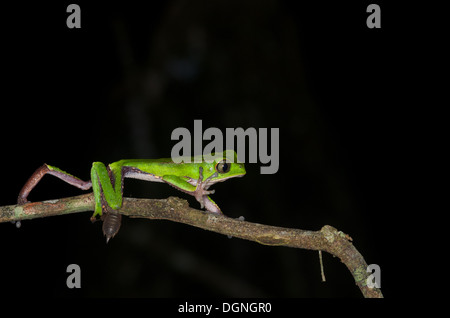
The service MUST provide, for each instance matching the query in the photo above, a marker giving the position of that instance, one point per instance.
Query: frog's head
(227, 166)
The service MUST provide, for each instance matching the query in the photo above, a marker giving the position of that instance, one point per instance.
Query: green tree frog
(194, 177)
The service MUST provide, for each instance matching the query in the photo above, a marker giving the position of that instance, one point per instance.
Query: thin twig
(322, 273)
(327, 239)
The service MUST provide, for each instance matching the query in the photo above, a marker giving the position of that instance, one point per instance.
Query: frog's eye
(223, 166)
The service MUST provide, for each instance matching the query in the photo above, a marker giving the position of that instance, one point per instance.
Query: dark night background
(118, 87)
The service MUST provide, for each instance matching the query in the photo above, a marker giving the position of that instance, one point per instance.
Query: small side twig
(327, 239)
(322, 273)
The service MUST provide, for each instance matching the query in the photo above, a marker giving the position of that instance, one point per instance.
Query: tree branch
(328, 239)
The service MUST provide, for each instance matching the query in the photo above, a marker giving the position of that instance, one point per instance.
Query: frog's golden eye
(223, 166)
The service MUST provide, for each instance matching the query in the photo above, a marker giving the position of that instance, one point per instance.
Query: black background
(118, 87)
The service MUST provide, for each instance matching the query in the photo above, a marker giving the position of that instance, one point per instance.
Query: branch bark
(327, 239)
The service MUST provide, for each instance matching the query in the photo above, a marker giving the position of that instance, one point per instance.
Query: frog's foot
(211, 206)
(201, 191)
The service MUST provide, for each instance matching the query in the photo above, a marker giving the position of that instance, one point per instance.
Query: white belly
(143, 176)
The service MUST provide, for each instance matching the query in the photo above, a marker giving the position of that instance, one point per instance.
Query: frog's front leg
(201, 190)
(202, 193)
(197, 188)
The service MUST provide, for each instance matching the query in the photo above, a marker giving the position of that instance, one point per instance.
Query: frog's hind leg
(107, 186)
(47, 169)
